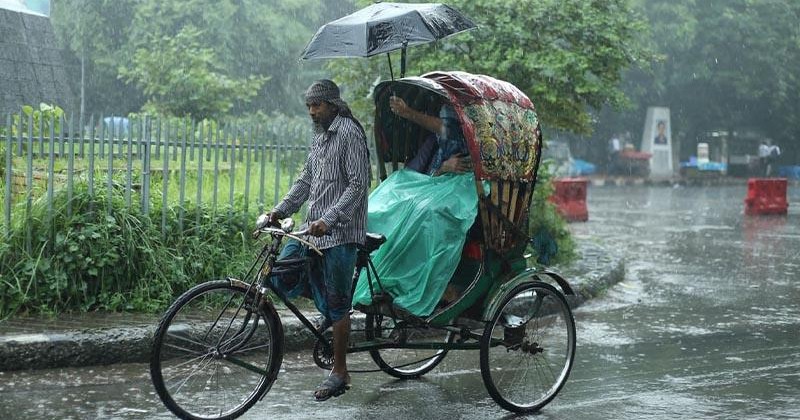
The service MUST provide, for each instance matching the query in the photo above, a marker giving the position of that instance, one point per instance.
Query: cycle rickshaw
(219, 347)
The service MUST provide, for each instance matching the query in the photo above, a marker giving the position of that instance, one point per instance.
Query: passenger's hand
(318, 228)
(399, 106)
(456, 164)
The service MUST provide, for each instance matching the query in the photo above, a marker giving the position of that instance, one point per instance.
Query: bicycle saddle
(373, 242)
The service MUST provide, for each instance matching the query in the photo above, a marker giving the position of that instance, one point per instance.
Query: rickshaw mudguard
(499, 294)
(494, 271)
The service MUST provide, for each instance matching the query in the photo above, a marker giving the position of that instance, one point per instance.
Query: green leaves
(121, 261)
(566, 55)
(193, 57)
(180, 76)
(727, 64)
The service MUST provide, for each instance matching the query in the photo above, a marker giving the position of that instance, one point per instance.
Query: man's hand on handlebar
(273, 219)
(317, 228)
(266, 220)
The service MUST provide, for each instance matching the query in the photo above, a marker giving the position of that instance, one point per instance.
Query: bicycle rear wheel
(215, 352)
(528, 348)
(406, 363)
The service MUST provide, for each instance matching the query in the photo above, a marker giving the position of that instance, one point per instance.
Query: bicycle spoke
(191, 375)
(199, 380)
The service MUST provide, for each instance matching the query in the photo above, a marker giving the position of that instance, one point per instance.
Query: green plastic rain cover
(425, 220)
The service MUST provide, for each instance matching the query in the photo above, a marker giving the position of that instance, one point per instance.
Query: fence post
(276, 150)
(247, 168)
(19, 134)
(216, 168)
(50, 163)
(29, 187)
(7, 195)
(164, 179)
(90, 174)
(183, 177)
(232, 172)
(82, 133)
(41, 136)
(146, 168)
(70, 162)
(110, 177)
(102, 136)
(262, 145)
(129, 172)
(199, 169)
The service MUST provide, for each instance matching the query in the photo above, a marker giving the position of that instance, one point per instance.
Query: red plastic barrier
(570, 198)
(766, 196)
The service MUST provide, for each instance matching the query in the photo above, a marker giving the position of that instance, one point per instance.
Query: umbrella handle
(403, 61)
(391, 72)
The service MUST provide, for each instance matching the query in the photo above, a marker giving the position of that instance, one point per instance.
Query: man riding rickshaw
(441, 267)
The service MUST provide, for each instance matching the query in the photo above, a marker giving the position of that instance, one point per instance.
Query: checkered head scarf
(326, 90)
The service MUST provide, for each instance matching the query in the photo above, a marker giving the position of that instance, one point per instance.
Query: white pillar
(657, 140)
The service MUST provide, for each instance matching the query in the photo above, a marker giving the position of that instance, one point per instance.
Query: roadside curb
(590, 276)
(596, 271)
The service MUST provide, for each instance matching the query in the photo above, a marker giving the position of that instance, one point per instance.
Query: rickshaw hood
(499, 122)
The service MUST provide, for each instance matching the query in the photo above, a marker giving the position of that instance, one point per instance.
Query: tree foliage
(729, 65)
(249, 44)
(566, 55)
(181, 77)
(98, 31)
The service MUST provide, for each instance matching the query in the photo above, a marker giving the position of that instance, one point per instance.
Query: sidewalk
(107, 338)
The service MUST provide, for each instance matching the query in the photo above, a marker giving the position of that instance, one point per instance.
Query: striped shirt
(334, 181)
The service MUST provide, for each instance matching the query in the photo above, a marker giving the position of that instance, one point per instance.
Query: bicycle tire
(400, 362)
(207, 347)
(533, 330)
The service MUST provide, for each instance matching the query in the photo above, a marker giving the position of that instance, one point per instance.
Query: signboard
(657, 140)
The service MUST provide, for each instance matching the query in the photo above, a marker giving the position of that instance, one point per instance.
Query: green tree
(181, 77)
(566, 55)
(729, 65)
(245, 40)
(95, 31)
(258, 38)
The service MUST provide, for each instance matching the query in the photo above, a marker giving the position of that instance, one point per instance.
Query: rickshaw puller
(334, 182)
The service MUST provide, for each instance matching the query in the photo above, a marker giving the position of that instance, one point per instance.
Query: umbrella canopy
(384, 27)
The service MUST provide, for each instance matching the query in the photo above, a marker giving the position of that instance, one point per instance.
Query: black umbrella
(384, 27)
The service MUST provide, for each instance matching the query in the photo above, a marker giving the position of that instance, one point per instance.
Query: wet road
(706, 325)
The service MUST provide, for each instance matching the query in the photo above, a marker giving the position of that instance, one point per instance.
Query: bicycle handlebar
(263, 225)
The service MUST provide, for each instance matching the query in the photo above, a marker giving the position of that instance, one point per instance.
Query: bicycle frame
(267, 261)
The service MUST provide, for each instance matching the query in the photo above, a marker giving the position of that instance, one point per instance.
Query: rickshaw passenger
(425, 218)
(444, 150)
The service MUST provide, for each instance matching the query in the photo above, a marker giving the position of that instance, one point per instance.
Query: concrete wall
(32, 68)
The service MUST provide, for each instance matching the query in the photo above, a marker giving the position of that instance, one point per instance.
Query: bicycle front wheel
(528, 348)
(215, 352)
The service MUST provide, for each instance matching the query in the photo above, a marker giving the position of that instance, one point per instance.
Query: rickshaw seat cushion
(372, 242)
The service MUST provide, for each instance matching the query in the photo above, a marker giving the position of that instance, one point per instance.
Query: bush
(114, 258)
(551, 241)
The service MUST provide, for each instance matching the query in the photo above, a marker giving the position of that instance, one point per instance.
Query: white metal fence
(245, 166)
